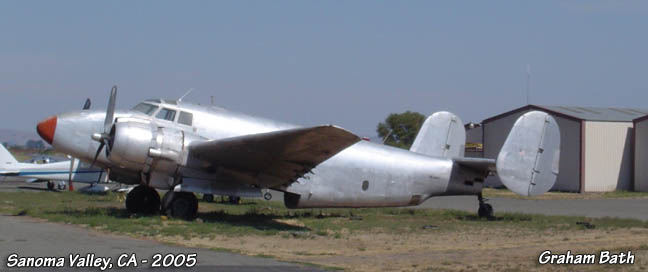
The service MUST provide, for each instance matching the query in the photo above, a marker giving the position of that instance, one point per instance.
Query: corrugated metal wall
(608, 156)
(641, 156)
(496, 131)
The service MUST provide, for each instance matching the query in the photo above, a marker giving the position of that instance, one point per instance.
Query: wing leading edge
(274, 158)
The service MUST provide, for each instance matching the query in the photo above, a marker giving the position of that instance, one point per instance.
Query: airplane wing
(274, 158)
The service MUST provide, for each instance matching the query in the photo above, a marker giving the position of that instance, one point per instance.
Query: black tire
(183, 205)
(267, 196)
(485, 210)
(50, 185)
(143, 200)
(234, 200)
(208, 198)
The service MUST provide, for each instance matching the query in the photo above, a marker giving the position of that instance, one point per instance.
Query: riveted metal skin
(157, 152)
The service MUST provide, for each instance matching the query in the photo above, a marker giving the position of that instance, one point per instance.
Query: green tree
(400, 129)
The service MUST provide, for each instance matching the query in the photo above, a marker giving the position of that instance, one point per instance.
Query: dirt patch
(479, 249)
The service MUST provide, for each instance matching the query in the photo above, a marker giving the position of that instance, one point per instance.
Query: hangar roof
(609, 114)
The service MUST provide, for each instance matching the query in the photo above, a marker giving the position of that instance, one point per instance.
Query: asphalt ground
(30, 237)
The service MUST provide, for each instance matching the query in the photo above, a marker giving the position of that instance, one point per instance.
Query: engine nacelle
(130, 144)
(157, 152)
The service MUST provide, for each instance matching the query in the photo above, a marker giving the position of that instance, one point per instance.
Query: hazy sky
(349, 63)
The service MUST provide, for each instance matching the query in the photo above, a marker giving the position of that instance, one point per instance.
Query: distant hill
(17, 137)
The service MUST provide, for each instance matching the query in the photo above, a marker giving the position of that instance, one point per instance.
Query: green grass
(505, 193)
(625, 194)
(257, 217)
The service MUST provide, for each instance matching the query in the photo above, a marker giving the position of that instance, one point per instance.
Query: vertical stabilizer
(6, 158)
(528, 161)
(441, 135)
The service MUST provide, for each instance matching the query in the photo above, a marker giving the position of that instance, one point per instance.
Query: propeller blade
(110, 112)
(87, 104)
(108, 148)
(101, 145)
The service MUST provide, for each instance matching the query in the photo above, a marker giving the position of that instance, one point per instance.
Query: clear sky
(349, 63)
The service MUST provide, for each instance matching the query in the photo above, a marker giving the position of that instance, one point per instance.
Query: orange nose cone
(46, 129)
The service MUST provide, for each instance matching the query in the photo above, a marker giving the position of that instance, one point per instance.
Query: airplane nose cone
(46, 129)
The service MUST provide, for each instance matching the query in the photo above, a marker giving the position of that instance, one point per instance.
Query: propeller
(87, 104)
(104, 138)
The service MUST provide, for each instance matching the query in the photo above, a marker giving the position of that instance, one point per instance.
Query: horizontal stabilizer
(479, 164)
(528, 161)
(441, 135)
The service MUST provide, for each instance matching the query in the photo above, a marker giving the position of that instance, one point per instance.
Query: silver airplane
(187, 148)
(72, 170)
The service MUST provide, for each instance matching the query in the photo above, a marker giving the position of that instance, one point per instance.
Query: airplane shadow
(256, 220)
(495, 218)
(37, 189)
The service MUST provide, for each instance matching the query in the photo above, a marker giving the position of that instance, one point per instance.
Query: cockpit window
(185, 118)
(145, 108)
(166, 114)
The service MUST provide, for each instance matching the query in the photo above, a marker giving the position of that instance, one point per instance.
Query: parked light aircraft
(74, 170)
(187, 148)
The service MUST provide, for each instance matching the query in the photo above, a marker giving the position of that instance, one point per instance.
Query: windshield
(145, 108)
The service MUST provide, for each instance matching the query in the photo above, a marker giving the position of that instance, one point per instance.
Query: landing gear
(208, 198)
(180, 205)
(143, 200)
(267, 196)
(50, 185)
(485, 209)
(234, 200)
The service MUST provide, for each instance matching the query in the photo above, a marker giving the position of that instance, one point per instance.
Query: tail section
(6, 157)
(528, 161)
(441, 135)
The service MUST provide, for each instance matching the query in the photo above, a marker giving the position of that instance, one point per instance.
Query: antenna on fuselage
(188, 91)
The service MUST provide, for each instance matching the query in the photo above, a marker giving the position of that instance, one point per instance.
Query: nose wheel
(182, 205)
(143, 200)
(485, 210)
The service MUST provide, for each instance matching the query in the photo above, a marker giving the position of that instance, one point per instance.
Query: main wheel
(234, 200)
(485, 210)
(182, 205)
(143, 199)
(208, 198)
(267, 196)
(50, 185)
